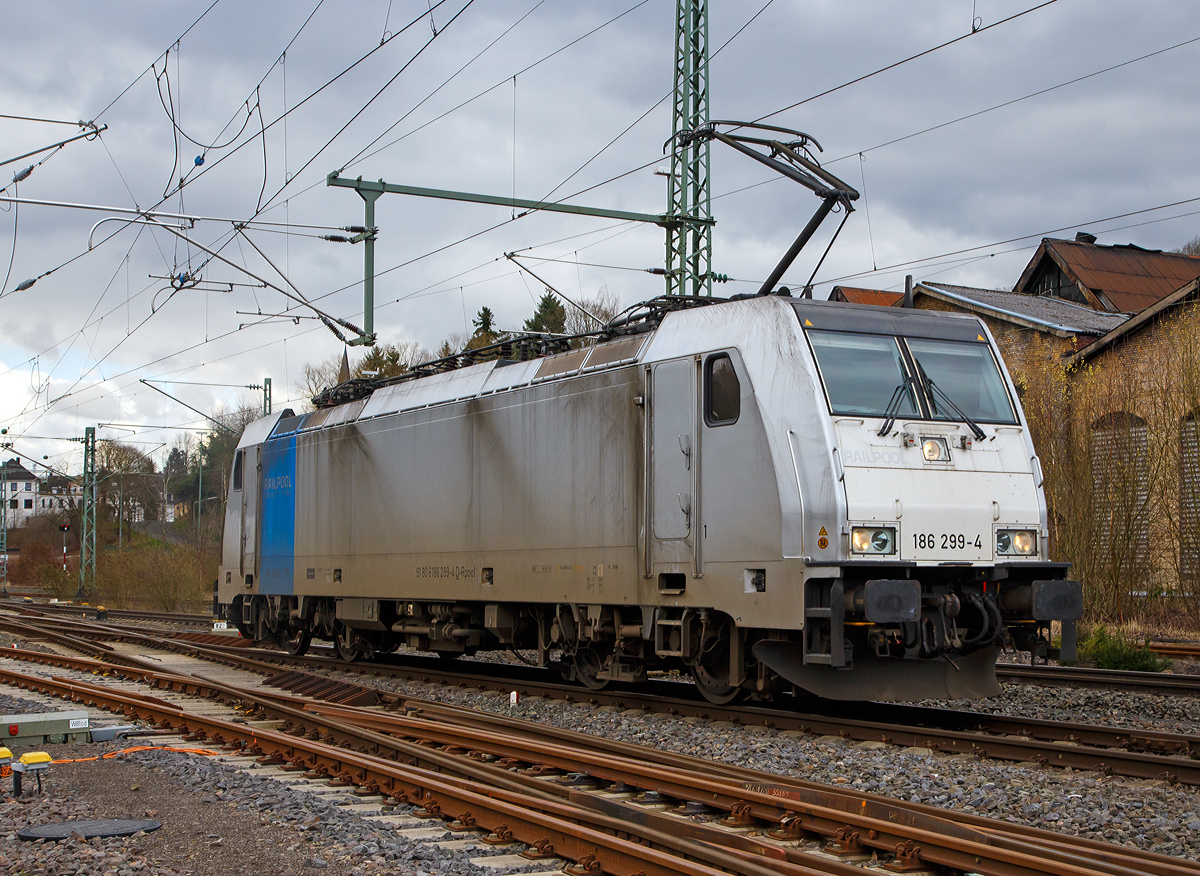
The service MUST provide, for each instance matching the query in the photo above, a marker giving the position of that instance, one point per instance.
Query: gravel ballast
(259, 813)
(1150, 815)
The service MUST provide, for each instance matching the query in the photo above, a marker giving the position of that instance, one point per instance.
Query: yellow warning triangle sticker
(807, 323)
(822, 532)
(981, 337)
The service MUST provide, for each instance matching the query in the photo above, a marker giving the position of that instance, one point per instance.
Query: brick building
(1030, 330)
(1104, 345)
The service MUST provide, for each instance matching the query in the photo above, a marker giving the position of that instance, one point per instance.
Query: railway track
(1171, 757)
(71, 610)
(1159, 683)
(605, 806)
(1186, 650)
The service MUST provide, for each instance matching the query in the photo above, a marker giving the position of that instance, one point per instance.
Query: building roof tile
(1052, 313)
(1129, 277)
(853, 295)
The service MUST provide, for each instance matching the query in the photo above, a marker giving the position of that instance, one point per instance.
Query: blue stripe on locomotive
(277, 547)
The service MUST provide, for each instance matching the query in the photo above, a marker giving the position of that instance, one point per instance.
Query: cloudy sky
(1050, 122)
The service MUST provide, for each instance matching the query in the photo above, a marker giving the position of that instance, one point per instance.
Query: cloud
(1111, 144)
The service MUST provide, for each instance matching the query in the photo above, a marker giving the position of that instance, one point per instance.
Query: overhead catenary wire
(465, 7)
(907, 60)
(208, 167)
(775, 178)
(354, 158)
(186, 31)
(288, 181)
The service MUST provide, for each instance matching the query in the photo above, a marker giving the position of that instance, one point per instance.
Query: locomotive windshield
(967, 375)
(862, 373)
(877, 375)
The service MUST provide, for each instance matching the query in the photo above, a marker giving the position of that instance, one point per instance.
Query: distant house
(21, 495)
(854, 295)
(1030, 330)
(1104, 343)
(1120, 278)
(58, 494)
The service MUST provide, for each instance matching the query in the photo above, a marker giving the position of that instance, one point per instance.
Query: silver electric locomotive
(772, 494)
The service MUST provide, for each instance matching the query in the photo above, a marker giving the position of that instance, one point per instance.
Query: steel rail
(786, 786)
(421, 755)
(1063, 849)
(1060, 848)
(1164, 684)
(556, 828)
(961, 848)
(1176, 649)
(1081, 747)
(164, 616)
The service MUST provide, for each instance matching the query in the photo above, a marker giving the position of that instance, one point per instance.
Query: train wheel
(711, 672)
(588, 663)
(350, 646)
(295, 640)
(714, 688)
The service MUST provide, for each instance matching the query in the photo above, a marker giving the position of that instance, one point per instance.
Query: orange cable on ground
(204, 751)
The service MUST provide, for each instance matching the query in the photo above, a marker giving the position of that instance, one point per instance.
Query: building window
(1189, 498)
(12, 503)
(29, 504)
(722, 391)
(1121, 490)
(29, 486)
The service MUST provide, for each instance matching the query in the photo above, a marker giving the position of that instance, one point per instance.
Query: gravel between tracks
(1145, 814)
(1149, 815)
(216, 821)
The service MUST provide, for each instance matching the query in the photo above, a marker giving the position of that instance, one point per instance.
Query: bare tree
(604, 305)
(1192, 247)
(456, 343)
(315, 378)
(383, 360)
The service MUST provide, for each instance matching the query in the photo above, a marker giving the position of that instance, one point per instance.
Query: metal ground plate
(87, 828)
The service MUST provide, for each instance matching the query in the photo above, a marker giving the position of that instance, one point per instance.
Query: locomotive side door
(246, 474)
(672, 452)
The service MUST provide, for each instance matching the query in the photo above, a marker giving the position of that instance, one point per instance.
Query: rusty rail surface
(796, 809)
(201, 620)
(1135, 753)
(1176, 649)
(1160, 683)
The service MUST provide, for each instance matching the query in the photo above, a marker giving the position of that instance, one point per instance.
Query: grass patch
(1116, 652)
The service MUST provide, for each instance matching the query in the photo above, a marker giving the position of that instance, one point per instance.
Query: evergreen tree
(485, 322)
(550, 315)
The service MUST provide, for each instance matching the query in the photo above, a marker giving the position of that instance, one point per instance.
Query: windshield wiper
(931, 388)
(893, 406)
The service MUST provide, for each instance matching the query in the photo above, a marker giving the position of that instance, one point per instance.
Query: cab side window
(237, 470)
(722, 391)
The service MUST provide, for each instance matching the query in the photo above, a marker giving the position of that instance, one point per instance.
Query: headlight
(1016, 542)
(866, 540)
(935, 449)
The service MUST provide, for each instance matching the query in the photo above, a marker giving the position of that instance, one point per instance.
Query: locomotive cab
(942, 548)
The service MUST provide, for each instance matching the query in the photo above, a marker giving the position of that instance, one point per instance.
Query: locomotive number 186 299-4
(946, 541)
